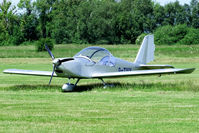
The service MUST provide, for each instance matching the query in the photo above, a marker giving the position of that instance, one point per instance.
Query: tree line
(91, 21)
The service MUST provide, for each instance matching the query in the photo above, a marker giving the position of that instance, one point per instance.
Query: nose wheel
(68, 87)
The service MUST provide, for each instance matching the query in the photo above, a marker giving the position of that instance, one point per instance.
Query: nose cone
(56, 62)
(71, 68)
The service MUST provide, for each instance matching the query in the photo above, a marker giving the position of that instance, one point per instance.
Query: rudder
(146, 51)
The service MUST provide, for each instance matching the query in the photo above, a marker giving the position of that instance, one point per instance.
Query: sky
(162, 2)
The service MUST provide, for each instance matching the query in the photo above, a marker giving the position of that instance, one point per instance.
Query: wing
(143, 72)
(28, 72)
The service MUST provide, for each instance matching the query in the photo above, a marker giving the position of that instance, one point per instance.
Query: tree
(44, 9)
(187, 14)
(170, 35)
(8, 21)
(134, 18)
(193, 3)
(170, 14)
(27, 5)
(65, 21)
(7, 15)
(181, 17)
(99, 22)
(159, 14)
(195, 14)
(29, 21)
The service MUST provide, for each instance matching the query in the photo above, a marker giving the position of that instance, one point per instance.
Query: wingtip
(5, 71)
(187, 70)
(193, 69)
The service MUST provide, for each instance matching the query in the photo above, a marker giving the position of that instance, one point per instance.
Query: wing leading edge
(143, 72)
(28, 72)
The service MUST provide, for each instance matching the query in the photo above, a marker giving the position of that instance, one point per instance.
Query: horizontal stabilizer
(143, 72)
(28, 72)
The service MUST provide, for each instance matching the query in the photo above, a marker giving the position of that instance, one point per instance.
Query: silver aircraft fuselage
(84, 68)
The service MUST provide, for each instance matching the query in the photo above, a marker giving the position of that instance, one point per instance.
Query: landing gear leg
(106, 85)
(103, 81)
(68, 86)
(77, 82)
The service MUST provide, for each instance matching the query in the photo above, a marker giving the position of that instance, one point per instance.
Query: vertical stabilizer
(146, 51)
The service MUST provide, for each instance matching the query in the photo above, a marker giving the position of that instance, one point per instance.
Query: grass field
(136, 104)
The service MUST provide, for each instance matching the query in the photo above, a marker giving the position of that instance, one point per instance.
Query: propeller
(52, 74)
(56, 62)
(50, 53)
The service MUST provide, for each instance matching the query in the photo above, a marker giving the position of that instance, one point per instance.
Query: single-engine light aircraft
(97, 62)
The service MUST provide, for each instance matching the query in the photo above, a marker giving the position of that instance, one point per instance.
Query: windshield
(94, 53)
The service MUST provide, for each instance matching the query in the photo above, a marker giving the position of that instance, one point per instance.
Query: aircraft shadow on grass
(114, 86)
(80, 88)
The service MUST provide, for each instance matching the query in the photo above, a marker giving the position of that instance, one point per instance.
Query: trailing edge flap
(28, 72)
(142, 66)
(143, 72)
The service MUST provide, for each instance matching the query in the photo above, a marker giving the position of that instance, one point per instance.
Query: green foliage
(163, 34)
(178, 32)
(140, 39)
(41, 44)
(195, 13)
(8, 20)
(192, 37)
(16, 39)
(33, 43)
(170, 35)
(18, 36)
(95, 21)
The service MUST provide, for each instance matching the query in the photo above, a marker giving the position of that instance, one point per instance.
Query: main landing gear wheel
(68, 87)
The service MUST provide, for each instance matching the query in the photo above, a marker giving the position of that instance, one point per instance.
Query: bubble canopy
(94, 53)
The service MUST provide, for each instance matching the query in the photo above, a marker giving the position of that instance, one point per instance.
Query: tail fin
(146, 51)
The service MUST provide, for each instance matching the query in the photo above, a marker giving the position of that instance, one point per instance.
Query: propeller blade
(52, 74)
(50, 53)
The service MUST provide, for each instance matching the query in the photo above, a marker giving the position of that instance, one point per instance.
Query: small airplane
(97, 62)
